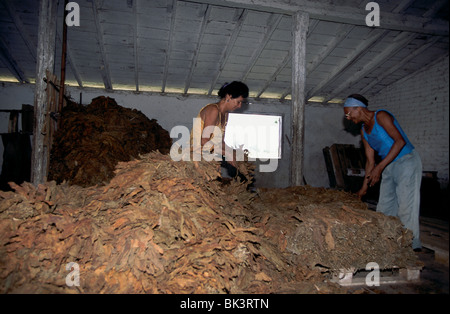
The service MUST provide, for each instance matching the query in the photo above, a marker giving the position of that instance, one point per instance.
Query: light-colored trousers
(400, 192)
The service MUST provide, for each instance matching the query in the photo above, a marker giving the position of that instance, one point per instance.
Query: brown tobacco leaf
(160, 226)
(92, 139)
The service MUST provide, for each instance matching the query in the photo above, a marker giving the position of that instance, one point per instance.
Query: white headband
(352, 102)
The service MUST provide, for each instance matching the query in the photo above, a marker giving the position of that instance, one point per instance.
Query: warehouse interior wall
(419, 101)
(323, 124)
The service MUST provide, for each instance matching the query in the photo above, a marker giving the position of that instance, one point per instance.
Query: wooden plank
(350, 58)
(45, 61)
(172, 12)
(300, 28)
(240, 17)
(329, 165)
(71, 63)
(434, 236)
(135, 46)
(21, 28)
(280, 68)
(343, 159)
(271, 26)
(194, 60)
(352, 15)
(50, 126)
(337, 167)
(7, 57)
(13, 125)
(105, 72)
(27, 118)
(400, 41)
(63, 65)
(431, 41)
(344, 30)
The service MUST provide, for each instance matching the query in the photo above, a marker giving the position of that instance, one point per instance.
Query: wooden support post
(63, 62)
(45, 61)
(300, 28)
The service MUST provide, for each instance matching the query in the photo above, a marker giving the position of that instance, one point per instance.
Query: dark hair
(235, 89)
(360, 98)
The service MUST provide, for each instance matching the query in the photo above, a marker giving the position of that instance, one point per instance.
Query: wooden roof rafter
(104, 68)
(240, 19)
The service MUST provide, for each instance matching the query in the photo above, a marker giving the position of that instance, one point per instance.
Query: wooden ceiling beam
(31, 45)
(104, 68)
(280, 68)
(430, 42)
(271, 27)
(373, 37)
(229, 47)
(7, 58)
(70, 59)
(311, 27)
(340, 14)
(400, 41)
(403, 5)
(205, 19)
(135, 45)
(435, 7)
(342, 33)
(172, 11)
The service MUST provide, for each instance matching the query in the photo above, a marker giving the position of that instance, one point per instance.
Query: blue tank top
(380, 140)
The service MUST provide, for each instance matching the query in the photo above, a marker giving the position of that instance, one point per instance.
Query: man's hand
(361, 193)
(374, 176)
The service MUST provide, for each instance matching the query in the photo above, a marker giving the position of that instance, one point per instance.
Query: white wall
(420, 102)
(171, 111)
(323, 126)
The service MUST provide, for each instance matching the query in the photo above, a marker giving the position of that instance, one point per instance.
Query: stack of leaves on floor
(92, 139)
(161, 226)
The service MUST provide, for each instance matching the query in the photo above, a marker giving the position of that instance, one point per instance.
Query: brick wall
(420, 102)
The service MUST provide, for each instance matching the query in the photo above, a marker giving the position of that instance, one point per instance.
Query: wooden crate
(345, 166)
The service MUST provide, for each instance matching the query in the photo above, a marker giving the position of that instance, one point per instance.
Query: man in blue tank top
(400, 163)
